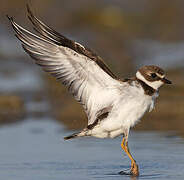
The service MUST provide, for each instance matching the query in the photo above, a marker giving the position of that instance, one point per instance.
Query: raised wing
(84, 73)
(61, 40)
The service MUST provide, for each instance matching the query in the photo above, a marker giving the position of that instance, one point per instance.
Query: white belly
(133, 110)
(123, 116)
(100, 132)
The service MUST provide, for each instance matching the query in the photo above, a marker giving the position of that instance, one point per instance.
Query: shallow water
(35, 149)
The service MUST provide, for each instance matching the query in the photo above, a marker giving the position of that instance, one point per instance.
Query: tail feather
(71, 136)
(84, 132)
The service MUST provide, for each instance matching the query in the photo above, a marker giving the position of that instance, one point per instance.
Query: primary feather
(84, 73)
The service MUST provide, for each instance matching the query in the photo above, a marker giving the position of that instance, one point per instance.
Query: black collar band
(148, 90)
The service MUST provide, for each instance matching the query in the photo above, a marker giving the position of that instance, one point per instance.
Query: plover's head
(153, 76)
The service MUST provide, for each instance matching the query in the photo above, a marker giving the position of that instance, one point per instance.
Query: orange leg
(134, 167)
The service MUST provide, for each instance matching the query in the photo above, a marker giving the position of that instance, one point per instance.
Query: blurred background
(126, 35)
(36, 111)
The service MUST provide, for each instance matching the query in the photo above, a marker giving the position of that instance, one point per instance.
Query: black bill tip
(166, 81)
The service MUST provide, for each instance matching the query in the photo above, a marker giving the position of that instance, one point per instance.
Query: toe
(134, 170)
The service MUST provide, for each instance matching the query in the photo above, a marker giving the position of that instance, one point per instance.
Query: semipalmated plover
(112, 105)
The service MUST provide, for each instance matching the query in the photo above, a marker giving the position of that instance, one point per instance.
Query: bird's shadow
(141, 176)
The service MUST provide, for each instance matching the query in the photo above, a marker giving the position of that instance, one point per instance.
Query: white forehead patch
(161, 76)
(155, 84)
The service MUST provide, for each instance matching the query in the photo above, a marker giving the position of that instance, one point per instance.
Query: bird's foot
(134, 171)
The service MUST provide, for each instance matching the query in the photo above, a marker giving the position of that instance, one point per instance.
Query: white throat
(154, 84)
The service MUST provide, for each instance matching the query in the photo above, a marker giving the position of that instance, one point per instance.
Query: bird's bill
(166, 81)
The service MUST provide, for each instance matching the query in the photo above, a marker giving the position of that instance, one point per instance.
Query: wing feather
(59, 39)
(89, 83)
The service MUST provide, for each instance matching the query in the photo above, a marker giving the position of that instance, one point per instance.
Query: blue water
(35, 150)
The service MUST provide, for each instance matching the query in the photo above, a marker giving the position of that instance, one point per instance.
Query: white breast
(133, 110)
(129, 109)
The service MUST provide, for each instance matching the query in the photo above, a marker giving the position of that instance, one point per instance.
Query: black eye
(153, 75)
